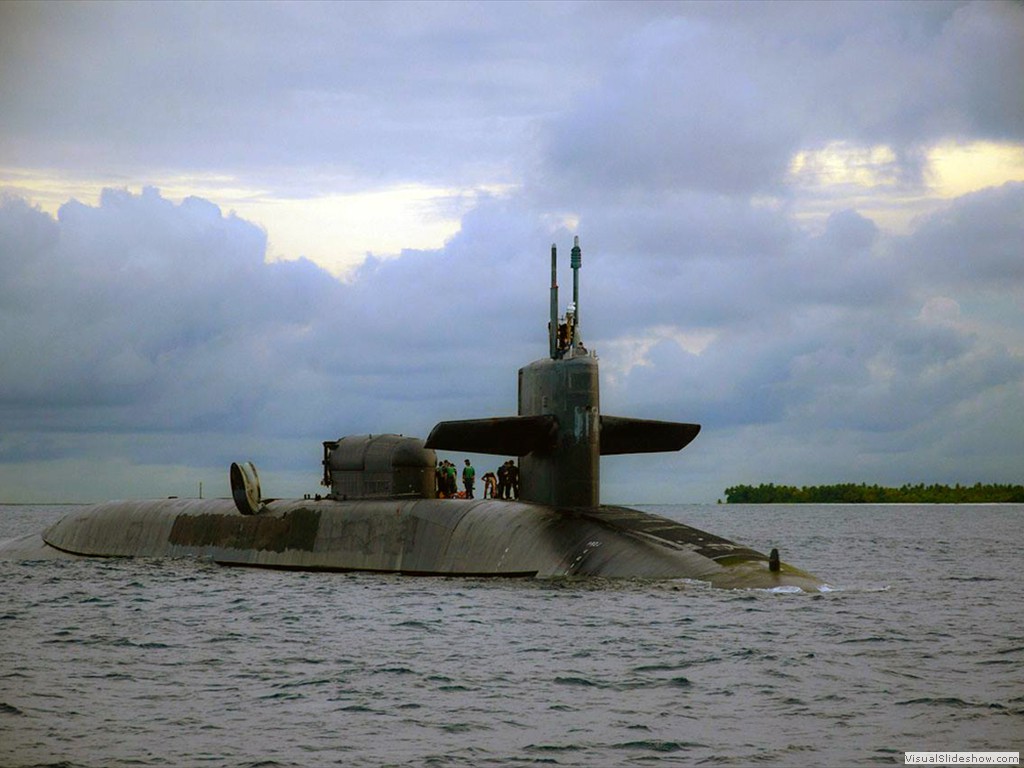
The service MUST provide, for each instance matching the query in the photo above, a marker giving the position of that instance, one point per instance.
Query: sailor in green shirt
(468, 476)
(451, 473)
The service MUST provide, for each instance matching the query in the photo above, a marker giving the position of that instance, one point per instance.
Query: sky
(231, 231)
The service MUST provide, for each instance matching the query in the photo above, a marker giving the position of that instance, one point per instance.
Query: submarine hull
(483, 537)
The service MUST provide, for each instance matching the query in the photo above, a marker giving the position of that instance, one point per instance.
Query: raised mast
(576, 262)
(553, 324)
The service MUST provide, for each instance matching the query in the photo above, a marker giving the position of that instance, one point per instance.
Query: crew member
(468, 476)
(490, 485)
(503, 481)
(453, 484)
(513, 479)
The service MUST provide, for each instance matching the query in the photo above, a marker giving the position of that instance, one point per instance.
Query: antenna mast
(576, 262)
(553, 325)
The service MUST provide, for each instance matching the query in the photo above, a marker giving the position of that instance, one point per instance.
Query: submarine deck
(480, 537)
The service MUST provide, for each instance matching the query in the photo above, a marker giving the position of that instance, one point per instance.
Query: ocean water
(918, 646)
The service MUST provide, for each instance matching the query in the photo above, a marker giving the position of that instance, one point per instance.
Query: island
(862, 493)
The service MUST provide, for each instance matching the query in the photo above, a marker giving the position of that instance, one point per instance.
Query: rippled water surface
(169, 663)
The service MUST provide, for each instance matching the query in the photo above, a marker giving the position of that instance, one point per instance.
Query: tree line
(852, 493)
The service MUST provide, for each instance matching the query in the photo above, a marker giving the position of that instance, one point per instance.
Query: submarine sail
(560, 433)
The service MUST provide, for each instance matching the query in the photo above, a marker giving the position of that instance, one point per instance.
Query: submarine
(383, 513)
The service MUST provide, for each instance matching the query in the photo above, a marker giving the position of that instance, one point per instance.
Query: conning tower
(560, 434)
(563, 388)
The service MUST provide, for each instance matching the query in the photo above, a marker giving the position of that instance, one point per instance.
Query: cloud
(140, 317)
(733, 170)
(975, 243)
(721, 101)
(681, 112)
(277, 92)
(646, 97)
(154, 316)
(850, 347)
